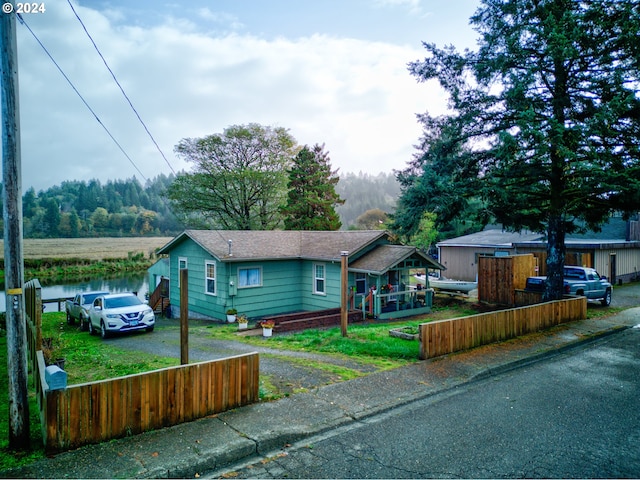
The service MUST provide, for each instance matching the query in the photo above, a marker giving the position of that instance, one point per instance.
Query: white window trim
(256, 267)
(315, 279)
(206, 278)
(186, 266)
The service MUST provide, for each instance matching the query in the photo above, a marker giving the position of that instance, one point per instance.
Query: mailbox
(55, 377)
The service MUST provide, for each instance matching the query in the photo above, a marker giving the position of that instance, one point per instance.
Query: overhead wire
(22, 21)
(120, 87)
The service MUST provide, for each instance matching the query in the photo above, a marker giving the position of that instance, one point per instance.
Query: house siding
(156, 271)
(280, 290)
(200, 303)
(316, 301)
(462, 262)
(627, 263)
(287, 285)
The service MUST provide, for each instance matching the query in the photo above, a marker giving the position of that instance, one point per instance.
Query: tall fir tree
(312, 196)
(544, 125)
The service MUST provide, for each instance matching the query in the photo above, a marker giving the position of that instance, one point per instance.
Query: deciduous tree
(373, 219)
(239, 177)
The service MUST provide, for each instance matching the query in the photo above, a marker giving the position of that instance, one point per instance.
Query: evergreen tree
(51, 219)
(312, 197)
(29, 203)
(74, 224)
(545, 121)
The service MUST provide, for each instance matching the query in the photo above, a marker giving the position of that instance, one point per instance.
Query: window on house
(249, 277)
(182, 265)
(210, 277)
(361, 283)
(318, 278)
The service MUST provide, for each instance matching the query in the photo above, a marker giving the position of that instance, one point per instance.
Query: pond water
(134, 282)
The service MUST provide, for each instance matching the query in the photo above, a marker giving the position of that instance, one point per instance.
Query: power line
(120, 86)
(81, 97)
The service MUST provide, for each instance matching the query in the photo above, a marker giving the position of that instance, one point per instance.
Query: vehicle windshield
(90, 298)
(119, 302)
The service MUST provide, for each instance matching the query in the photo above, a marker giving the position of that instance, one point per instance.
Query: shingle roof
(384, 257)
(491, 238)
(277, 244)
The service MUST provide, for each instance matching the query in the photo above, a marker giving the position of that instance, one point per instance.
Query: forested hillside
(121, 208)
(116, 208)
(363, 192)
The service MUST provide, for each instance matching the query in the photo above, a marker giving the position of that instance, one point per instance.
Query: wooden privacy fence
(98, 411)
(447, 336)
(500, 277)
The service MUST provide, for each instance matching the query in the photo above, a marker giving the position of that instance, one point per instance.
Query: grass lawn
(88, 359)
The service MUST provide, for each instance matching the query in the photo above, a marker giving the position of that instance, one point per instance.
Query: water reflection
(132, 282)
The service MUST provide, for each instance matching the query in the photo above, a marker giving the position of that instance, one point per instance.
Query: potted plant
(243, 322)
(267, 327)
(231, 315)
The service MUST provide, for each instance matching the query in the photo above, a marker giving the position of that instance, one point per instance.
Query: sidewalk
(191, 449)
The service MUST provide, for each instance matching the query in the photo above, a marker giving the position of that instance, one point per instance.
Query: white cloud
(355, 96)
(414, 7)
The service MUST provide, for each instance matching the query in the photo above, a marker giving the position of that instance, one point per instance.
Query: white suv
(122, 312)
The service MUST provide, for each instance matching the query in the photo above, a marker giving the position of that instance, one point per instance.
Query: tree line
(76, 209)
(258, 177)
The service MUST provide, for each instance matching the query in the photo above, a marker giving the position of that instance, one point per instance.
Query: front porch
(382, 285)
(405, 303)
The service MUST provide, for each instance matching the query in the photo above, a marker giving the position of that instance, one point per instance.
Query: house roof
(243, 245)
(612, 235)
(384, 257)
(492, 237)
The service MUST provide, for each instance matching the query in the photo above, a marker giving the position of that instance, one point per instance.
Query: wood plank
(98, 411)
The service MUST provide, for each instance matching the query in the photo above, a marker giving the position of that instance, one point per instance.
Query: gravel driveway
(287, 371)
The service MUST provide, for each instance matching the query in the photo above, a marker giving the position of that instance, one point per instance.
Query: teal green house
(157, 272)
(266, 273)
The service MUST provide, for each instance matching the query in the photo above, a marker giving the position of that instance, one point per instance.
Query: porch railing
(374, 304)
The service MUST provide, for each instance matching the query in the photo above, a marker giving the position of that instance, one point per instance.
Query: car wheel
(84, 324)
(69, 319)
(606, 301)
(104, 333)
(150, 329)
(92, 331)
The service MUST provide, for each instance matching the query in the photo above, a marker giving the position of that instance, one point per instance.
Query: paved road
(570, 416)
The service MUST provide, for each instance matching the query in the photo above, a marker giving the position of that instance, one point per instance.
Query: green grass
(368, 343)
(10, 458)
(89, 358)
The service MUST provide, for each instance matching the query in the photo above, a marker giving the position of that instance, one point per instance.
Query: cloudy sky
(330, 71)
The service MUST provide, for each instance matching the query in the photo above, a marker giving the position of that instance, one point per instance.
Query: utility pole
(12, 216)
